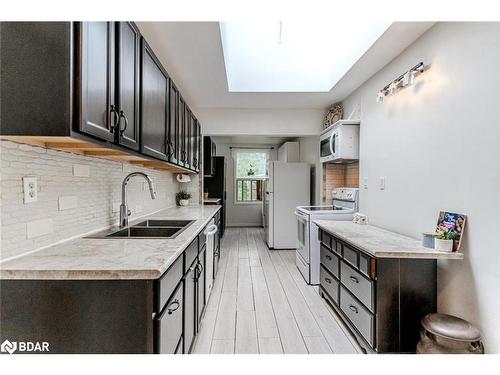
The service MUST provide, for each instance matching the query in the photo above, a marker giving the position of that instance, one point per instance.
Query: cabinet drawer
(361, 287)
(168, 282)
(190, 254)
(325, 238)
(329, 260)
(359, 316)
(336, 245)
(169, 324)
(365, 264)
(350, 255)
(329, 284)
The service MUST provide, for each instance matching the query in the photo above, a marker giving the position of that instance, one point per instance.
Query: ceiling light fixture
(404, 80)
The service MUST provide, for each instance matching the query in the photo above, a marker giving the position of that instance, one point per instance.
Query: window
(250, 171)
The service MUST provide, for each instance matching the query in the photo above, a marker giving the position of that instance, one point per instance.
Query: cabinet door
(98, 110)
(169, 324)
(213, 155)
(188, 135)
(181, 132)
(154, 89)
(199, 140)
(173, 124)
(201, 285)
(194, 143)
(189, 307)
(128, 44)
(207, 156)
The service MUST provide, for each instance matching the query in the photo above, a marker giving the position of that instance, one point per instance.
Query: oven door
(302, 235)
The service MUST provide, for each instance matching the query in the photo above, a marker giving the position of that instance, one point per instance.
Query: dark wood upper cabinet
(127, 98)
(189, 134)
(181, 135)
(154, 108)
(209, 153)
(98, 114)
(173, 124)
(97, 83)
(194, 140)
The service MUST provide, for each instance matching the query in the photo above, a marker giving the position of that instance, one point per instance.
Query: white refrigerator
(287, 187)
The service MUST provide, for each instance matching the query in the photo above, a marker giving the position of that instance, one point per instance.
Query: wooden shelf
(77, 146)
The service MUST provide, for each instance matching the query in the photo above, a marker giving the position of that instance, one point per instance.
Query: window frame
(234, 155)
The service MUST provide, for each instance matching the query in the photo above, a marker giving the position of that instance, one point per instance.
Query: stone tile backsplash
(76, 194)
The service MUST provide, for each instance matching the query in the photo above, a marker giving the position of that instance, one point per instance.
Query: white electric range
(345, 204)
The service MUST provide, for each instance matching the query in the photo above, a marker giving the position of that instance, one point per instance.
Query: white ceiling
(192, 54)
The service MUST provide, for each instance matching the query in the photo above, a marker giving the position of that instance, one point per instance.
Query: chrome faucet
(124, 211)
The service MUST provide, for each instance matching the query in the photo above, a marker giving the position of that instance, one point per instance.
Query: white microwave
(340, 142)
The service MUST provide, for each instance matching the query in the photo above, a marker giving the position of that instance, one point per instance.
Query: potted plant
(183, 198)
(444, 240)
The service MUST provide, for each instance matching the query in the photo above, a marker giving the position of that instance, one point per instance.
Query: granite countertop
(382, 243)
(103, 259)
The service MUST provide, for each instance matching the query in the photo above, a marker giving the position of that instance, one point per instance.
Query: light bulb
(380, 96)
(409, 78)
(393, 88)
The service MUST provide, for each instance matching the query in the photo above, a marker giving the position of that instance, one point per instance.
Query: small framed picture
(452, 222)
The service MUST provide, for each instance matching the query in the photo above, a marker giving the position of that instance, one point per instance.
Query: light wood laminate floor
(261, 304)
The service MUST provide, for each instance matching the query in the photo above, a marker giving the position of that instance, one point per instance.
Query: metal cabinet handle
(354, 279)
(329, 257)
(124, 116)
(353, 308)
(116, 118)
(328, 280)
(171, 309)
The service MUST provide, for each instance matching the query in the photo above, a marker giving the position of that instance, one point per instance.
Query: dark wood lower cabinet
(381, 300)
(109, 316)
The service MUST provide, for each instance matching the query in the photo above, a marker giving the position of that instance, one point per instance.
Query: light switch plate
(365, 183)
(382, 183)
(39, 228)
(68, 202)
(30, 189)
(81, 170)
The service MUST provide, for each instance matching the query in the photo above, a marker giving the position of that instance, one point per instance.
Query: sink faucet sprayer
(124, 211)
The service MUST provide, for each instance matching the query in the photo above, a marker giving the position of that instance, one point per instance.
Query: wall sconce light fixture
(404, 80)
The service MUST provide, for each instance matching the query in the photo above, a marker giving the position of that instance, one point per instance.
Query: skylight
(292, 56)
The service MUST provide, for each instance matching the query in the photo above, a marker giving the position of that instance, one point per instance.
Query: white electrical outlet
(138, 208)
(382, 183)
(30, 189)
(115, 207)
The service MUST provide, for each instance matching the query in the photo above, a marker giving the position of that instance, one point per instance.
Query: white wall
(438, 145)
(309, 153)
(277, 122)
(240, 214)
(97, 195)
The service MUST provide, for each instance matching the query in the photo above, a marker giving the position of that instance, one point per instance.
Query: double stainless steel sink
(151, 228)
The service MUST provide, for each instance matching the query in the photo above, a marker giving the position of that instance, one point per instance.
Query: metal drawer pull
(328, 280)
(122, 114)
(170, 309)
(329, 257)
(116, 118)
(353, 308)
(354, 279)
